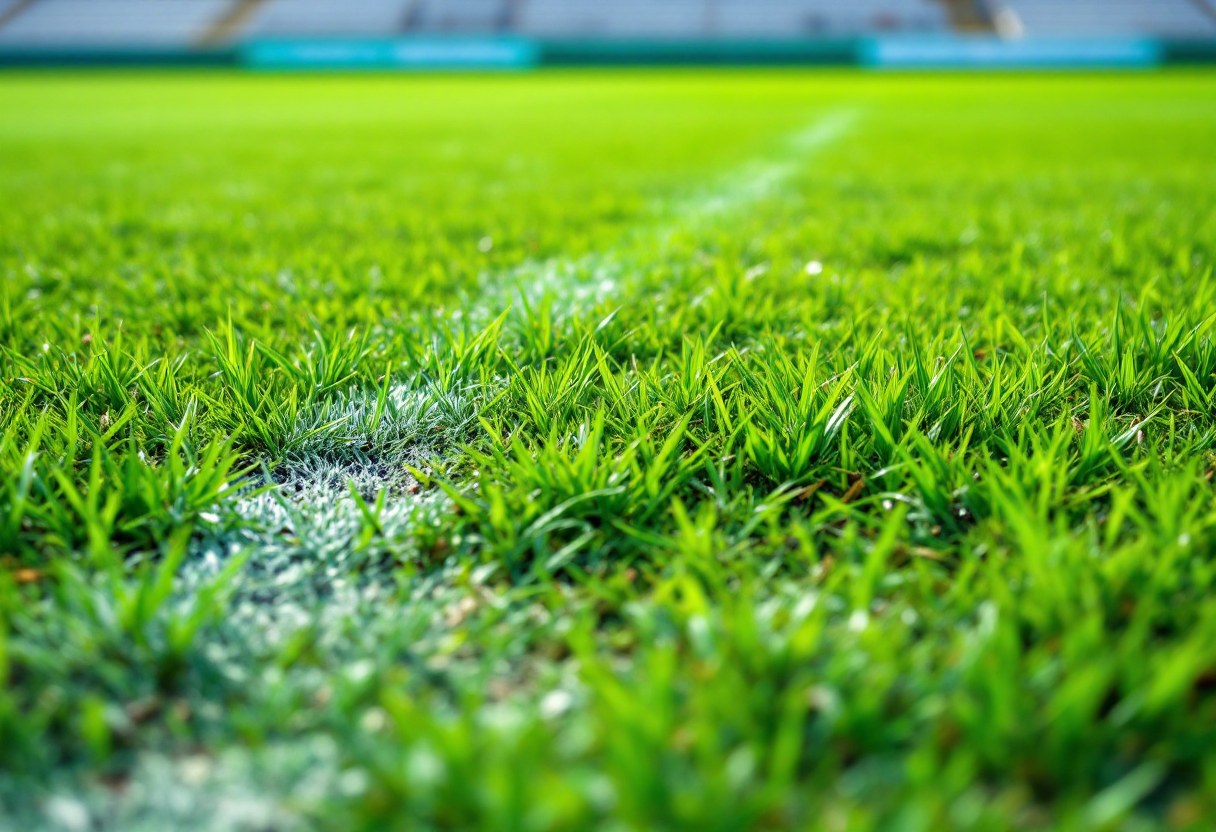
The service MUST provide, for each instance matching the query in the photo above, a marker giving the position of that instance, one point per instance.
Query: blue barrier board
(953, 52)
(401, 53)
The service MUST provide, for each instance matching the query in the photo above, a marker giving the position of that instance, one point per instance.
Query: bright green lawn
(614, 451)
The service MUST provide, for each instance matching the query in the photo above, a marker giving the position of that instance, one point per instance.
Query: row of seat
(111, 23)
(740, 18)
(328, 17)
(1167, 18)
(168, 23)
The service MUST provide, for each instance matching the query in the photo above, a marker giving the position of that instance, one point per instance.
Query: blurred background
(526, 32)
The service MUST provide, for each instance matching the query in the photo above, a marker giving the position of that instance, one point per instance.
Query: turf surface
(621, 451)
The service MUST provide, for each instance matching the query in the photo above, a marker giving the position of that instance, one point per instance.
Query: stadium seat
(725, 18)
(180, 23)
(111, 23)
(461, 16)
(1167, 18)
(315, 18)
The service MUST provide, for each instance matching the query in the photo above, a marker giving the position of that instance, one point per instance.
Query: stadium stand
(624, 18)
(461, 16)
(725, 18)
(1160, 18)
(826, 17)
(160, 24)
(317, 18)
(110, 23)
(10, 9)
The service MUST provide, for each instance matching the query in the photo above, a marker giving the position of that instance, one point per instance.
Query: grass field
(620, 451)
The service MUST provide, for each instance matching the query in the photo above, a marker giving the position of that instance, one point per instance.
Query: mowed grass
(623, 451)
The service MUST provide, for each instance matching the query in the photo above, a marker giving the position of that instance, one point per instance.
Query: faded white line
(412, 424)
(577, 284)
(760, 179)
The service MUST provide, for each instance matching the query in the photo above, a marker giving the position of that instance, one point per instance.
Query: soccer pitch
(621, 450)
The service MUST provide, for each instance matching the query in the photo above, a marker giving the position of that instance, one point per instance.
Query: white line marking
(574, 284)
(583, 282)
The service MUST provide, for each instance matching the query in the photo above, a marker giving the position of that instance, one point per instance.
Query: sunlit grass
(482, 452)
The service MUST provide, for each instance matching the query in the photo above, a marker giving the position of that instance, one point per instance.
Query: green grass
(617, 451)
